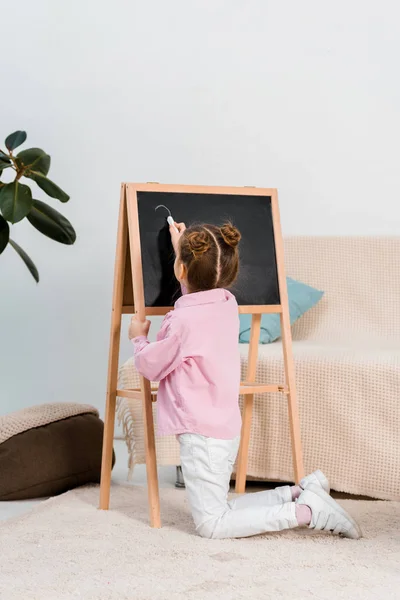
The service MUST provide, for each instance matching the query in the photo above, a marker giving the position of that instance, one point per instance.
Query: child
(196, 359)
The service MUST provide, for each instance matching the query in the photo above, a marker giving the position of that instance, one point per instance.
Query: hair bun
(230, 235)
(199, 242)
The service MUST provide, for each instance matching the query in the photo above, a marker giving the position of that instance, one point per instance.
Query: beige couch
(347, 354)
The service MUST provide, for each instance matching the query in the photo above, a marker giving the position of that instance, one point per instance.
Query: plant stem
(14, 165)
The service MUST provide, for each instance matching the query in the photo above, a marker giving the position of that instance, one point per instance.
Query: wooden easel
(128, 298)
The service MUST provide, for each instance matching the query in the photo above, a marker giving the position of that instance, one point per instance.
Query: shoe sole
(314, 489)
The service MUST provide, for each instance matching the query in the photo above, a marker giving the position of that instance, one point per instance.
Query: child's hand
(138, 327)
(175, 235)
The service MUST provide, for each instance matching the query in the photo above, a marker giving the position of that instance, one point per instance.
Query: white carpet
(66, 548)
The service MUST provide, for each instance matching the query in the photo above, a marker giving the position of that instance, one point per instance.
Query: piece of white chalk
(171, 221)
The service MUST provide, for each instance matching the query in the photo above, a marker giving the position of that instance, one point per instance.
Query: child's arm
(156, 360)
(176, 231)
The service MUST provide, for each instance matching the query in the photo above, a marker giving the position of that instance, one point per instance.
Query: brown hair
(211, 256)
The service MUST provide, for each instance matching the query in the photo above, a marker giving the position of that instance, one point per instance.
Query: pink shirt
(196, 360)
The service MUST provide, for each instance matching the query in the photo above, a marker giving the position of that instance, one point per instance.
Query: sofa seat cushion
(354, 351)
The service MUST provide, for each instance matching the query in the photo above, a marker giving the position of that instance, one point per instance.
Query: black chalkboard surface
(257, 283)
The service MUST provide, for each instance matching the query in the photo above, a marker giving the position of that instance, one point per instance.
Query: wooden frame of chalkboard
(129, 297)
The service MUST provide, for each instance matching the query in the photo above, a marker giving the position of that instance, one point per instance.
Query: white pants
(207, 465)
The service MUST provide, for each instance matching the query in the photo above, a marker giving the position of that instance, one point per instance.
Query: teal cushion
(302, 297)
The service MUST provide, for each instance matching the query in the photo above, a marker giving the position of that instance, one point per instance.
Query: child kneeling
(196, 360)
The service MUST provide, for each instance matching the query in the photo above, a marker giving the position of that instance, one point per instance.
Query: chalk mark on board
(163, 206)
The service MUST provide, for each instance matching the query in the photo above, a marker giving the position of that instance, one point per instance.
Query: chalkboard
(257, 283)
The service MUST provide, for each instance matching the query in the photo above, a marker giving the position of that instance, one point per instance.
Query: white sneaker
(318, 478)
(327, 514)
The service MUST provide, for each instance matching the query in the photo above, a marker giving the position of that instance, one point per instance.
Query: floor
(67, 549)
(167, 478)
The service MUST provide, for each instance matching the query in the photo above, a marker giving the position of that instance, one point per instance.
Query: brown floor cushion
(52, 458)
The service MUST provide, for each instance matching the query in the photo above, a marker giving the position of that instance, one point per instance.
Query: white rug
(66, 548)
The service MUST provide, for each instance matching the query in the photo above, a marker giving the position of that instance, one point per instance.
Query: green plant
(17, 202)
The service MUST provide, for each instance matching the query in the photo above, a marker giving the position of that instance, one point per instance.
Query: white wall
(303, 96)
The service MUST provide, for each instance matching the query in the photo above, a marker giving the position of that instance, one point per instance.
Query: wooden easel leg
(106, 463)
(109, 419)
(294, 421)
(151, 460)
(241, 470)
(293, 409)
(138, 293)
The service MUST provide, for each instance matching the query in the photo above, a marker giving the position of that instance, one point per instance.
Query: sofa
(347, 357)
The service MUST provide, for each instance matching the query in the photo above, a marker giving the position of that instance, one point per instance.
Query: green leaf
(4, 233)
(51, 223)
(28, 261)
(33, 159)
(15, 139)
(15, 201)
(4, 161)
(49, 186)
